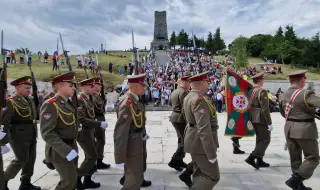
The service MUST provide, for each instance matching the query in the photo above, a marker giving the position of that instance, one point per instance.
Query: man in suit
(261, 121)
(298, 107)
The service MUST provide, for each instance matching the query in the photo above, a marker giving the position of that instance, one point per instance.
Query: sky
(85, 24)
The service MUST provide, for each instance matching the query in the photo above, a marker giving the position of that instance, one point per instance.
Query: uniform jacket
(177, 96)
(200, 139)
(19, 119)
(98, 107)
(259, 111)
(129, 129)
(86, 112)
(59, 127)
(303, 108)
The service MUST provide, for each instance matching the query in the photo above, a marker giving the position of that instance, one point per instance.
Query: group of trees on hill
(284, 46)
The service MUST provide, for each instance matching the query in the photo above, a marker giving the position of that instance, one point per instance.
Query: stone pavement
(235, 173)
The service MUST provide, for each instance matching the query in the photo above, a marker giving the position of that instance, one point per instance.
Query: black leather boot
(26, 185)
(49, 165)
(145, 183)
(186, 177)
(251, 161)
(262, 164)
(302, 187)
(236, 150)
(176, 164)
(294, 182)
(89, 184)
(101, 165)
(79, 185)
(122, 180)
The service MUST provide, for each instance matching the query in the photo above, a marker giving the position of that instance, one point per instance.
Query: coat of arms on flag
(237, 104)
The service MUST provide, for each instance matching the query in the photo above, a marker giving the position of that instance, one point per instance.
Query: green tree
(218, 42)
(257, 44)
(290, 35)
(173, 40)
(239, 52)
(209, 44)
(279, 34)
(287, 51)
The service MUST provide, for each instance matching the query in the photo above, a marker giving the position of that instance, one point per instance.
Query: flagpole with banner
(237, 106)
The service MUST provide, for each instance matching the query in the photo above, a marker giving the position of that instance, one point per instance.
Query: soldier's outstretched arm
(265, 106)
(5, 120)
(121, 133)
(311, 99)
(201, 113)
(91, 123)
(48, 123)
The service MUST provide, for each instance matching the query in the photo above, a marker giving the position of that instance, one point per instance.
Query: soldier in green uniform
(59, 129)
(86, 135)
(236, 145)
(130, 134)
(99, 132)
(201, 139)
(298, 107)
(19, 120)
(261, 121)
(178, 121)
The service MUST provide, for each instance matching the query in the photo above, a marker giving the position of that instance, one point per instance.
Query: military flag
(237, 104)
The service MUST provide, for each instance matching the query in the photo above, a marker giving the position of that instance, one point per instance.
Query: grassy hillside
(43, 71)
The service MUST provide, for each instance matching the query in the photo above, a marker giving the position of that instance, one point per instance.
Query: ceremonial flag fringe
(237, 104)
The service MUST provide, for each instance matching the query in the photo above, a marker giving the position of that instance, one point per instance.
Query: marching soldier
(261, 121)
(129, 135)
(59, 129)
(178, 121)
(236, 145)
(298, 106)
(86, 135)
(19, 119)
(99, 132)
(201, 139)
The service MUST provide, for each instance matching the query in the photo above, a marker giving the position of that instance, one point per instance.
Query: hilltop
(43, 71)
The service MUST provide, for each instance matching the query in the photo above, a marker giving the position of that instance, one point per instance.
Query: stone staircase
(161, 57)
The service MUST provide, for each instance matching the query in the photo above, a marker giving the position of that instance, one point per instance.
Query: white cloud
(86, 24)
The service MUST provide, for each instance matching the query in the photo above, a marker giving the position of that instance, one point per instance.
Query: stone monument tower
(160, 34)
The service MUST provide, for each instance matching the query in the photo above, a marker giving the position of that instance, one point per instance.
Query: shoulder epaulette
(81, 97)
(129, 101)
(9, 98)
(52, 100)
(201, 96)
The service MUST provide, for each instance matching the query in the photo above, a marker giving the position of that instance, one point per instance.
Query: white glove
(146, 137)
(5, 149)
(270, 128)
(213, 161)
(317, 110)
(38, 122)
(2, 135)
(121, 166)
(104, 124)
(72, 155)
(1, 127)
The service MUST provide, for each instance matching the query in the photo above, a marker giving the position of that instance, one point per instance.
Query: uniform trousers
(206, 174)
(180, 128)
(100, 139)
(262, 140)
(25, 156)
(86, 141)
(310, 150)
(67, 171)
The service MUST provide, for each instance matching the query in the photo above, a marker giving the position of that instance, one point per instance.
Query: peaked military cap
(66, 77)
(297, 74)
(137, 78)
(90, 81)
(23, 80)
(199, 77)
(258, 76)
(97, 80)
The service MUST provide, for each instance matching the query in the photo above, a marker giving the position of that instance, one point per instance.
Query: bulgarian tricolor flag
(237, 104)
